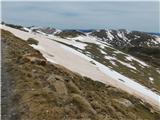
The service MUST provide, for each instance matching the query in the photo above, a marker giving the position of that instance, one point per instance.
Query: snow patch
(109, 57)
(26, 29)
(130, 58)
(118, 77)
(158, 39)
(123, 63)
(110, 36)
(102, 51)
(79, 45)
(113, 63)
(151, 79)
(37, 47)
(50, 60)
(120, 35)
(127, 65)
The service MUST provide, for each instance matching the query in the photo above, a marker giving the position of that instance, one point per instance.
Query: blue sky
(142, 16)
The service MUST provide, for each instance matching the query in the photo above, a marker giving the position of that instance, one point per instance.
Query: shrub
(32, 41)
(82, 103)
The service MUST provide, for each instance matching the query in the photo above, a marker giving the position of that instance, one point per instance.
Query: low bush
(32, 41)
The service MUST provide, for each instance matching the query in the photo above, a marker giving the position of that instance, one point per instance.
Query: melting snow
(158, 39)
(117, 76)
(117, 51)
(79, 45)
(27, 29)
(120, 35)
(113, 63)
(102, 51)
(110, 36)
(38, 47)
(110, 58)
(50, 59)
(130, 58)
(136, 36)
(128, 65)
(121, 81)
(43, 51)
(158, 71)
(151, 79)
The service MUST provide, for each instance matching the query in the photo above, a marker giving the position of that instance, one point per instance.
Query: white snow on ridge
(41, 32)
(130, 58)
(110, 36)
(120, 34)
(151, 79)
(113, 63)
(80, 63)
(110, 57)
(57, 31)
(72, 42)
(87, 38)
(123, 63)
(158, 40)
(136, 36)
(127, 65)
(27, 29)
(43, 51)
(102, 51)
(120, 78)
(38, 47)
(80, 45)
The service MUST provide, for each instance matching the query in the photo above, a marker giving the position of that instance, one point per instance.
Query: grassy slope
(51, 92)
(142, 74)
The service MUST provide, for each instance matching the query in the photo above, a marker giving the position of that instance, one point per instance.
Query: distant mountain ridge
(39, 89)
(145, 46)
(152, 33)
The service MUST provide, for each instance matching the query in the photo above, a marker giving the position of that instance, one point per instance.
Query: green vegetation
(52, 92)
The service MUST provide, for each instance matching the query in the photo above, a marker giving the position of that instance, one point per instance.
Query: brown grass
(52, 92)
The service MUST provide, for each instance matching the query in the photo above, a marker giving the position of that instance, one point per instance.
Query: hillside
(43, 90)
(91, 57)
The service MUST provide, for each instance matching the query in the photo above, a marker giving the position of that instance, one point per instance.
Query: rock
(34, 59)
(124, 102)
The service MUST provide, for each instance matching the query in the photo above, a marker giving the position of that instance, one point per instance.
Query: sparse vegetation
(142, 73)
(69, 33)
(52, 92)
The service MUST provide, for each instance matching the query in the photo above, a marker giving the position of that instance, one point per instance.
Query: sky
(141, 16)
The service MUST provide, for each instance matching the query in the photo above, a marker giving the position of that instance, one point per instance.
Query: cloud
(141, 16)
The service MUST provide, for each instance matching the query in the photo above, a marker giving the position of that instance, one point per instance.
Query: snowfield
(60, 54)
